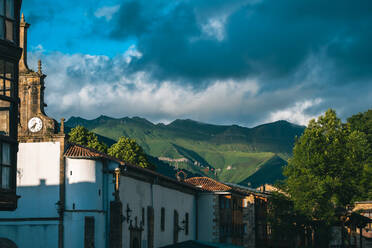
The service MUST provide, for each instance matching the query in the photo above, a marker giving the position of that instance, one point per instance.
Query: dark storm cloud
(134, 23)
(222, 61)
(269, 39)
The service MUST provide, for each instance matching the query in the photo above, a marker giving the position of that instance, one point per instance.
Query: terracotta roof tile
(79, 151)
(208, 184)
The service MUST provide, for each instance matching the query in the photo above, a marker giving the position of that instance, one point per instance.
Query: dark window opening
(135, 243)
(89, 232)
(135, 237)
(176, 227)
(162, 220)
(143, 216)
(187, 223)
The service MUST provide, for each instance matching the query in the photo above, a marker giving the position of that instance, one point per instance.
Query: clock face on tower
(35, 124)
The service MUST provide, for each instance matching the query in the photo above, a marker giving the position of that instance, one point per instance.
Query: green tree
(82, 136)
(362, 122)
(326, 169)
(127, 149)
(285, 221)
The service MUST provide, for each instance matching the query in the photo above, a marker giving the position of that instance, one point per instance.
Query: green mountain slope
(228, 153)
(268, 172)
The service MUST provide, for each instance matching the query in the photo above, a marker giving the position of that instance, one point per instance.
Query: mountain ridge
(230, 153)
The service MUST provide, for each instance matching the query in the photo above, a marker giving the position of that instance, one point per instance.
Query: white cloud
(131, 53)
(87, 86)
(90, 85)
(296, 113)
(106, 12)
(215, 27)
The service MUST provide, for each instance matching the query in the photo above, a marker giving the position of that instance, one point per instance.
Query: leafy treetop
(82, 136)
(127, 149)
(326, 170)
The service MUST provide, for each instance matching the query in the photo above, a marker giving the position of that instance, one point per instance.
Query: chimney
(23, 44)
(62, 129)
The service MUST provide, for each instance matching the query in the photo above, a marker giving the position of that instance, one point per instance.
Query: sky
(244, 62)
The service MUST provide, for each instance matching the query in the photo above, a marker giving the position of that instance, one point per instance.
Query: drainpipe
(62, 192)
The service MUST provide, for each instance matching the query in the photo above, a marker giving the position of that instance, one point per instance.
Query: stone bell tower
(34, 124)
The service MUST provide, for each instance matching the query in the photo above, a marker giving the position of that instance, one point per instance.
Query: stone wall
(249, 222)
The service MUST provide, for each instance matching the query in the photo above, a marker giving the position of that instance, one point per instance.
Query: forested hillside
(229, 153)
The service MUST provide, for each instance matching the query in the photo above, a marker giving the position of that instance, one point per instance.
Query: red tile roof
(208, 184)
(79, 151)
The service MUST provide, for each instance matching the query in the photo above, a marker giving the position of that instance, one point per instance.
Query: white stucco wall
(74, 229)
(139, 194)
(38, 186)
(37, 180)
(31, 234)
(172, 200)
(205, 217)
(84, 184)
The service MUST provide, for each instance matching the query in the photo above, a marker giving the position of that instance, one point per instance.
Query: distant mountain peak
(104, 117)
(72, 118)
(184, 121)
